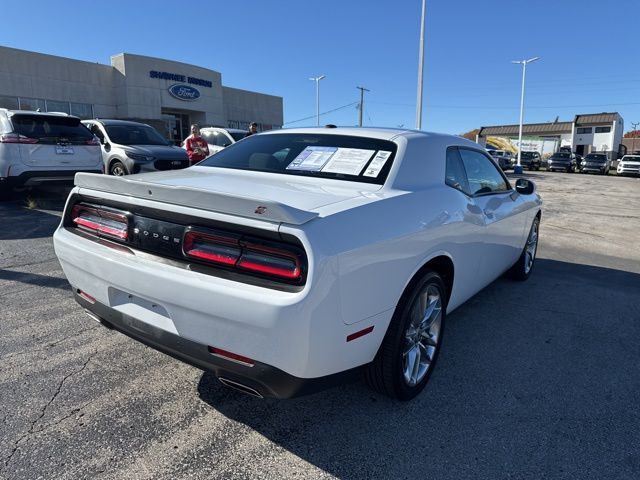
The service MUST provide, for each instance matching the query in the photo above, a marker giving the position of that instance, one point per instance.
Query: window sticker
(312, 158)
(348, 161)
(373, 170)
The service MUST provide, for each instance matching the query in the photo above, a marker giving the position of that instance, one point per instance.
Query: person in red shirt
(196, 146)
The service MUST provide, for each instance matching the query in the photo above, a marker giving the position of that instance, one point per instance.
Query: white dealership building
(592, 132)
(166, 94)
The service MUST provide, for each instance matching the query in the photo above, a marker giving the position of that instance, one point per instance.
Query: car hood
(160, 152)
(264, 196)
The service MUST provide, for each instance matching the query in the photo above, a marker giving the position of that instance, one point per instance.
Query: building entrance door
(177, 126)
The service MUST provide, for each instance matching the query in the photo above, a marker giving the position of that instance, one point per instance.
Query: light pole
(518, 167)
(317, 80)
(420, 68)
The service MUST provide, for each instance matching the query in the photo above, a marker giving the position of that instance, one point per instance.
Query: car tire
(411, 345)
(4, 192)
(521, 270)
(117, 169)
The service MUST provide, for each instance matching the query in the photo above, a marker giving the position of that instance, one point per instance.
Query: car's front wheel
(523, 267)
(117, 168)
(411, 345)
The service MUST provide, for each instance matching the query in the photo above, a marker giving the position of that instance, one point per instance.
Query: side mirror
(525, 187)
(107, 146)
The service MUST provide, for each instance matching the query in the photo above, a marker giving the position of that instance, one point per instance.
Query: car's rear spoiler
(245, 206)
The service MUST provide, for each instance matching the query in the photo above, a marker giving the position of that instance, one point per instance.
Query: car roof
(107, 122)
(380, 133)
(230, 130)
(33, 112)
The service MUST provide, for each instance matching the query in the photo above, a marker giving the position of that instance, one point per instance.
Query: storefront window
(9, 102)
(32, 104)
(82, 110)
(54, 106)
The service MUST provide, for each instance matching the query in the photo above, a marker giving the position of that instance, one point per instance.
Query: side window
(455, 176)
(97, 132)
(482, 174)
(222, 140)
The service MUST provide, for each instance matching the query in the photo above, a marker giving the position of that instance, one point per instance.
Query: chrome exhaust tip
(239, 386)
(95, 317)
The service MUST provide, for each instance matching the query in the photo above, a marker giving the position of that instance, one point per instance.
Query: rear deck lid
(263, 196)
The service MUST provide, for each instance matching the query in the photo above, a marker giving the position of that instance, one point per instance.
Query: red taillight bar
(212, 248)
(271, 261)
(16, 138)
(101, 221)
(233, 252)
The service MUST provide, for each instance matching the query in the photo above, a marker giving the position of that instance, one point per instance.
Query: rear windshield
(339, 157)
(134, 135)
(51, 129)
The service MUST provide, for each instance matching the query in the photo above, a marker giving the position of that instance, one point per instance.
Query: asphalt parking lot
(535, 380)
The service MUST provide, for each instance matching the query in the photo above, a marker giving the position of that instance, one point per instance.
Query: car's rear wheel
(117, 168)
(410, 348)
(521, 270)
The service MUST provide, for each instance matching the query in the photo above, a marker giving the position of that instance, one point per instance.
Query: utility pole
(420, 68)
(362, 90)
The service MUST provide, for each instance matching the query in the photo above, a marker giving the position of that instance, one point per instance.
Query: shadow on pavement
(34, 279)
(535, 379)
(22, 217)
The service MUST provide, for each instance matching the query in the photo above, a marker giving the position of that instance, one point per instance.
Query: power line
(323, 113)
(511, 107)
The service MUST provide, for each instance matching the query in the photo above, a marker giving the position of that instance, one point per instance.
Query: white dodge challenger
(295, 258)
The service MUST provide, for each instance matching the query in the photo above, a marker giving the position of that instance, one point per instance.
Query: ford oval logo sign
(184, 92)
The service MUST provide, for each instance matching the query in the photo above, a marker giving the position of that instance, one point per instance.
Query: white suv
(219, 138)
(38, 148)
(629, 165)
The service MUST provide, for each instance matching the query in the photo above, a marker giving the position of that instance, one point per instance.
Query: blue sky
(588, 51)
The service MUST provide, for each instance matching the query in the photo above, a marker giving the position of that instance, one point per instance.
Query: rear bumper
(41, 177)
(260, 379)
(301, 333)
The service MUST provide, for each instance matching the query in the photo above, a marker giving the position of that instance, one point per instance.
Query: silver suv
(38, 148)
(132, 147)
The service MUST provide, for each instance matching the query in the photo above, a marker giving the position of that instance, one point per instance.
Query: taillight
(270, 261)
(100, 221)
(211, 248)
(16, 138)
(232, 251)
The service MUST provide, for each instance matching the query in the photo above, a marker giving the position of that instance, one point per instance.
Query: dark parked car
(504, 158)
(530, 160)
(564, 161)
(596, 162)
